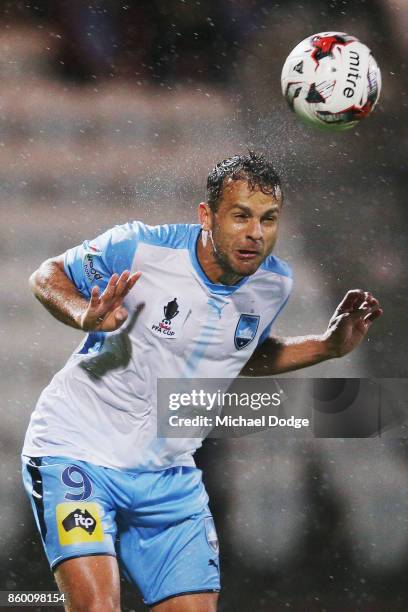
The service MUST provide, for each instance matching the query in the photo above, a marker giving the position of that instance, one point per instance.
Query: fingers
(110, 288)
(126, 282)
(374, 315)
(353, 299)
(94, 297)
(372, 301)
(367, 314)
(370, 308)
(119, 286)
(357, 299)
(120, 314)
(107, 323)
(132, 282)
(122, 282)
(105, 311)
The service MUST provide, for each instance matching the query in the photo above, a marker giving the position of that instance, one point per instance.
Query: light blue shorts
(157, 523)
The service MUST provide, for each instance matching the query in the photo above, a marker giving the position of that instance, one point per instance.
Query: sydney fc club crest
(245, 331)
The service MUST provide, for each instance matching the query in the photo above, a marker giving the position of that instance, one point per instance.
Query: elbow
(42, 277)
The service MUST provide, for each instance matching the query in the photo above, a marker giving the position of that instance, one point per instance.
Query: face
(245, 227)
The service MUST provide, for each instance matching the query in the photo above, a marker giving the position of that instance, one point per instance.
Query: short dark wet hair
(257, 170)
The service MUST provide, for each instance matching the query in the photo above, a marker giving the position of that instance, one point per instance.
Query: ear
(204, 216)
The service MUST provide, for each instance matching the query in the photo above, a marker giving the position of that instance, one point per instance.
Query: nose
(254, 229)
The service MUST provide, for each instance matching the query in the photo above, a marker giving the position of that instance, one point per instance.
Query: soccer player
(170, 301)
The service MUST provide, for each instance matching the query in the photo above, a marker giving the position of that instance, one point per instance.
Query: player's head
(244, 200)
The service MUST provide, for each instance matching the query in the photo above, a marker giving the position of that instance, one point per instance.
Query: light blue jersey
(101, 407)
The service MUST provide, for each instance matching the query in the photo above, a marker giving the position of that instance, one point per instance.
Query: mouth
(247, 254)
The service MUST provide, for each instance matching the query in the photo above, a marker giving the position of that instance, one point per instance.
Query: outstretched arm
(103, 312)
(346, 329)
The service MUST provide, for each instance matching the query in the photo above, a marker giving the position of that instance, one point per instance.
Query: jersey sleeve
(94, 261)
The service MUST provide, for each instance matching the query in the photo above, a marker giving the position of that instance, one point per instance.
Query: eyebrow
(247, 209)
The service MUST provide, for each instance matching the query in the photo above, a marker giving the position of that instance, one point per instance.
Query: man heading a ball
(103, 486)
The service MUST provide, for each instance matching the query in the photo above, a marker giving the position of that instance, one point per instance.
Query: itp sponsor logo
(80, 518)
(79, 523)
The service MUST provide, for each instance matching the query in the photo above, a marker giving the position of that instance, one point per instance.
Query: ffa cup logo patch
(246, 329)
(169, 318)
(170, 311)
(78, 523)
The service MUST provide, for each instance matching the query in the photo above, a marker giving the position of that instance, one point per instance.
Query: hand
(106, 312)
(351, 321)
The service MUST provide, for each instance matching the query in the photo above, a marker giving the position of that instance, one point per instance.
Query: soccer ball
(331, 80)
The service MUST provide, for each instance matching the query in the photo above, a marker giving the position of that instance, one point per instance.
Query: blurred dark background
(111, 111)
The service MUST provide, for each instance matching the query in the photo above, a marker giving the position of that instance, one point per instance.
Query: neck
(211, 266)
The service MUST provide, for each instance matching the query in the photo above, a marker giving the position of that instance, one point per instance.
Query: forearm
(279, 355)
(58, 294)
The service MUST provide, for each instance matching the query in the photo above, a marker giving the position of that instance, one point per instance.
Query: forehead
(239, 192)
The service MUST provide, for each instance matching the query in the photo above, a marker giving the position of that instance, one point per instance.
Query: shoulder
(173, 236)
(129, 236)
(276, 265)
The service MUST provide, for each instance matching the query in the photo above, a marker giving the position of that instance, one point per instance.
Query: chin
(246, 269)
(232, 266)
